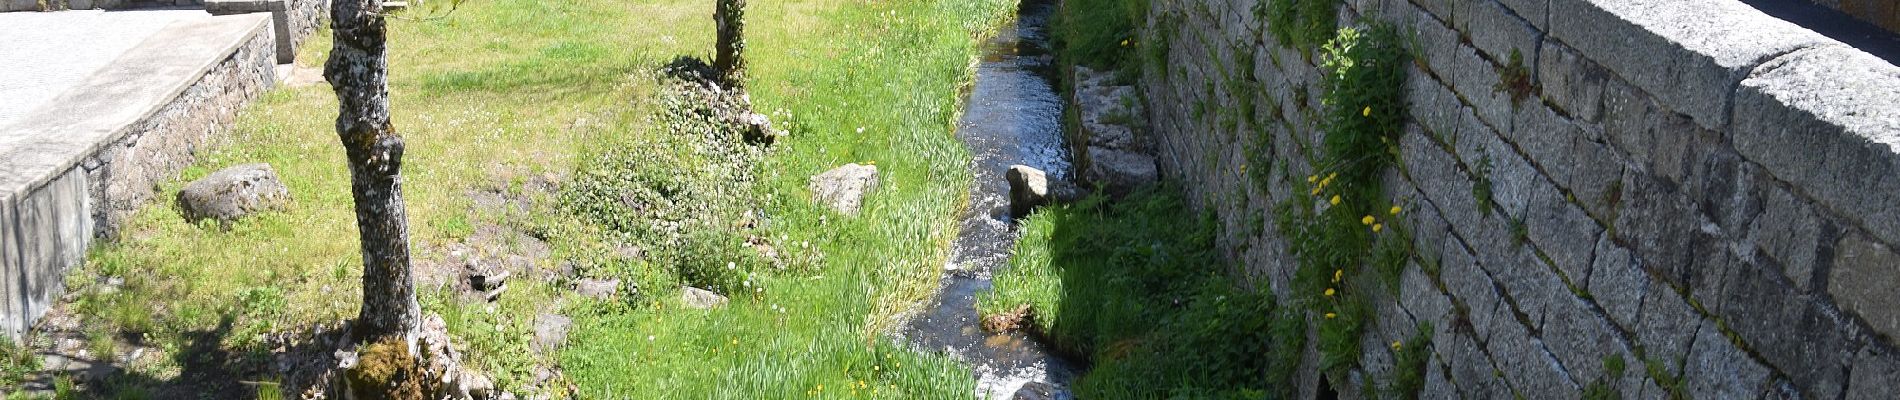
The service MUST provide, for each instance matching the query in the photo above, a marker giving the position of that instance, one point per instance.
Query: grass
(1145, 297)
(503, 96)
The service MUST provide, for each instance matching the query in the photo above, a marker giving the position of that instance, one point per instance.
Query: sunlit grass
(503, 92)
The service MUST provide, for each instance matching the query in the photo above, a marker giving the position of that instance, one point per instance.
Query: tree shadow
(207, 369)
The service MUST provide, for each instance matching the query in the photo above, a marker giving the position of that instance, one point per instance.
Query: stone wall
(293, 20)
(1691, 186)
(53, 207)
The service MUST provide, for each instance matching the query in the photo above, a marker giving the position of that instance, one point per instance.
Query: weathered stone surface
(1527, 364)
(1693, 51)
(693, 297)
(550, 331)
(1820, 119)
(1865, 278)
(597, 288)
(1111, 114)
(1571, 82)
(1120, 172)
(1876, 374)
(1028, 189)
(1506, 30)
(1790, 232)
(1617, 282)
(1785, 328)
(1718, 369)
(844, 188)
(234, 193)
(1666, 327)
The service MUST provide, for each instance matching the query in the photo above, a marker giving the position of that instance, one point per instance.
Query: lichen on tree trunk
(358, 71)
(729, 52)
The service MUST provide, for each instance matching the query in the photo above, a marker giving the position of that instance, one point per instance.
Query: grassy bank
(509, 107)
(1136, 287)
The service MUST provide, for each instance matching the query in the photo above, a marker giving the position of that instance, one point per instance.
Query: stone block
(1617, 282)
(1821, 119)
(1694, 50)
(1498, 31)
(1719, 370)
(1790, 232)
(1573, 155)
(1863, 281)
(1535, 12)
(1656, 221)
(1422, 300)
(1571, 82)
(1471, 287)
(1528, 365)
(1581, 338)
(1876, 374)
(1441, 182)
(1789, 330)
(1564, 233)
(1470, 369)
(1666, 327)
(1529, 285)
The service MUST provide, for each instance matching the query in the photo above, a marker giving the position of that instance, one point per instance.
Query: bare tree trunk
(358, 70)
(729, 52)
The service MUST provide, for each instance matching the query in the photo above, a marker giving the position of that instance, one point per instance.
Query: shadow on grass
(1137, 287)
(207, 369)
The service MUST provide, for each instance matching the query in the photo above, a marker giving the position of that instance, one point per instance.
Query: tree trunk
(358, 70)
(729, 52)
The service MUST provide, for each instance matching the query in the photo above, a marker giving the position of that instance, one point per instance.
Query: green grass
(1102, 34)
(500, 95)
(1145, 297)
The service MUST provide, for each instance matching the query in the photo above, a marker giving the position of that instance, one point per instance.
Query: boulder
(1036, 390)
(597, 288)
(1120, 172)
(757, 128)
(1109, 113)
(1028, 189)
(550, 331)
(843, 188)
(697, 298)
(233, 193)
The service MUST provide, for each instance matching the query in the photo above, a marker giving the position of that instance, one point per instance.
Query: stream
(1012, 116)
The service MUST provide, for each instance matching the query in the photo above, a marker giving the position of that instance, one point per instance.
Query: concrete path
(44, 54)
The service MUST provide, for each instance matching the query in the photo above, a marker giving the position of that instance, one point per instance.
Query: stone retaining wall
(293, 20)
(1699, 189)
(48, 221)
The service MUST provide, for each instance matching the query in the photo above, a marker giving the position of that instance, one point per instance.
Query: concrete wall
(52, 207)
(1698, 185)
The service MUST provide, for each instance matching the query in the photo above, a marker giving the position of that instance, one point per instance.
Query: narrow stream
(1012, 116)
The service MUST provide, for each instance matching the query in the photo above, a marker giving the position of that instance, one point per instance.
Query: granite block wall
(1706, 192)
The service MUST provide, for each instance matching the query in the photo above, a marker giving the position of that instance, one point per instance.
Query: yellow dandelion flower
(1329, 177)
(1377, 227)
(1337, 273)
(1366, 112)
(1312, 178)
(1396, 344)
(1124, 42)
(1315, 191)
(1335, 200)
(1331, 315)
(1367, 220)
(1396, 209)
(1329, 292)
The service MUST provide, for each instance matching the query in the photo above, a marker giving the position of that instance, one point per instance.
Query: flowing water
(1012, 116)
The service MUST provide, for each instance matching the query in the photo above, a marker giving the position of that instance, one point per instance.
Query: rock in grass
(550, 331)
(1120, 172)
(697, 298)
(1035, 391)
(597, 288)
(233, 193)
(1028, 189)
(843, 188)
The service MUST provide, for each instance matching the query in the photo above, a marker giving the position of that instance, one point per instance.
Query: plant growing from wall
(1339, 230)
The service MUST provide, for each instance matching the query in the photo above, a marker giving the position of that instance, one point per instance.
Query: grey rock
(1707, 45)
(1865, 276)
(697, 298)
(1037, 390)
(844, 188)
(1111, 114)
(757, 128)
(1617, 282)
(489, 280)
(1028, 189)
(233, 193)
(1822, 120)
(1876, 374)
(550, 331)
(597, 288)
(1719, 370)
(1120, 172)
